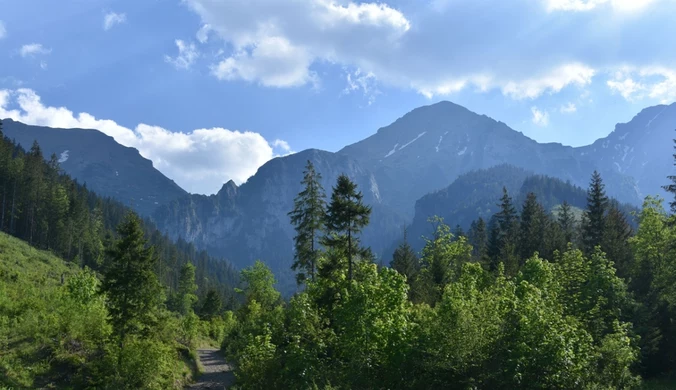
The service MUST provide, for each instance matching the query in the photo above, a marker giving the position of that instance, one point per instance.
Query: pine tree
(405, 261)
(308, 217)
(211, 306)
(129, 282)
(593, 224)
(566, 221)
(532, 227)
(478, 238)
(504, 235)
(345, 218)
(615, 241)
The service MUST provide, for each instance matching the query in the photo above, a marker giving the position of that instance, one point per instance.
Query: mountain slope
(108, 168)
(641, 148)
(429, 147)
(250, 222)
(477, 194)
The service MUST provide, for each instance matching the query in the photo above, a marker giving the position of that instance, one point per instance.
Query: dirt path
(217, 373)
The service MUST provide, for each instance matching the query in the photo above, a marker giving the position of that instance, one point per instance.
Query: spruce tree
(504, 236)
(346, 216)
(566, 221)
(405, 261)
(531, 228)
(211, 306)
(478, 238)
(129, 281)
(615, 241)
(594, 217)
(308, 217)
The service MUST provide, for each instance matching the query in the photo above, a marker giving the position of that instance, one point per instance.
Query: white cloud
(276, 44)
(200, 161)
(33, 49)
(3, 30)
(187, 54)
(568, 108)
(554, 81)
(540, 118)
(273, 62)
(112, 18)
(202, 34)
(43, 65)
(366, 82)
(588, 5)
(650, 82)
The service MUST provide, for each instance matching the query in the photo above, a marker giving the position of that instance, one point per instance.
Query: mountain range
(424, 152)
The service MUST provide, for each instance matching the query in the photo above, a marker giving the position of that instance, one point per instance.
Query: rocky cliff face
(108, 168)
(250, 222)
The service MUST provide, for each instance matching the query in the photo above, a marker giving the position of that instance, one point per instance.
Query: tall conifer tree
(405, 261)
(346, 216)
(129, 281)
(593, 224)
(308, 217)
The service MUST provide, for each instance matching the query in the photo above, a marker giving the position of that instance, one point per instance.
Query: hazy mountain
(250, 222)
(641, 149)
(108, 168)
(429, 147)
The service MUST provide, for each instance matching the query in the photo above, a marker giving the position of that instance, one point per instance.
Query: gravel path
(217, 373)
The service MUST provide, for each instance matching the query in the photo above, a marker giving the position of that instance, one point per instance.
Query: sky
(210, 90)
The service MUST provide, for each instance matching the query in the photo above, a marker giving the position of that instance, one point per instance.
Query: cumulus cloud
(111, 19)
(651, 82)
(33, 49)
(200, 161)
(273, 62)
(3, 30)
(540, 117)
(568, 108)
(276, 44)
(187, 54)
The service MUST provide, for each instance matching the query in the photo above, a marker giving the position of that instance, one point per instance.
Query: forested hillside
(51, 211)
(126, 308)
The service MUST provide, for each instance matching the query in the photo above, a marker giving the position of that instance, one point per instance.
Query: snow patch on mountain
(626, 151)
(622, 137)
(619, 169)
(391, 152)
(412, 141)
(64, 156)
(460, 153)
(441, 137)
(658, 114)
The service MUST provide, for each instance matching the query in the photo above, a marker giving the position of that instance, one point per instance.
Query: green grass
(30, 283)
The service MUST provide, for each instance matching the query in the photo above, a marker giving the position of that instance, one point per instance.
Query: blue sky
(211, 89)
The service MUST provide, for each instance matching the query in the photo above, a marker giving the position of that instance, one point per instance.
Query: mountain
(421, 153)
(641, 149)
(431, 146)
(250, 222)
(108, 168)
